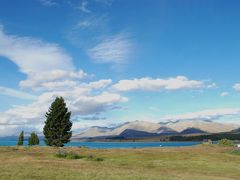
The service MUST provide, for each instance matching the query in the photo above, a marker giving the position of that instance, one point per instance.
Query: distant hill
(192, 131)
(130, 133)
(236, 130)
(94, 131)
(145, 129)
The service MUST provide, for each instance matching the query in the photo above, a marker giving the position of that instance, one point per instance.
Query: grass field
(200, 162)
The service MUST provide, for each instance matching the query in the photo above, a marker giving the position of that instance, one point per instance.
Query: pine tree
(33, 139)
(36, 139)
(20, 139)
(57, 129)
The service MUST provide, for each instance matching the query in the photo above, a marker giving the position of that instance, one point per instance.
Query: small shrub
(73, 155)
(235, 152)
(225, 142)
(83, 147)
(93, 157)
(68, 155)
(98, 159)
(61, 154)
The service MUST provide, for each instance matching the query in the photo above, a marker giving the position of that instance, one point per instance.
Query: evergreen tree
(20, 139)
(57, 129)
(33, 139)
(36, 140)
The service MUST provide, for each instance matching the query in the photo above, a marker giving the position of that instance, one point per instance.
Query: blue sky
(116, 61)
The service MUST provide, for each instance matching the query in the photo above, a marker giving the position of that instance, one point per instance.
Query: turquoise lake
(107, 145)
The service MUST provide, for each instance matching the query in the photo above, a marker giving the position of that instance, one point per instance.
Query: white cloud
(83, 7)
(15, 93)
(100, 84)
(236, 87)
(96, 104)
(149, 84)
(224, 94)
(213, 114)
(52, 80)
(48, 2)
(32, 55)
(113, 49)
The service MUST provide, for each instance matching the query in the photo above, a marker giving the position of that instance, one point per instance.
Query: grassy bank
(201, 162)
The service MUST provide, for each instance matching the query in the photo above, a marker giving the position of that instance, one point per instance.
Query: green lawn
(200, 162)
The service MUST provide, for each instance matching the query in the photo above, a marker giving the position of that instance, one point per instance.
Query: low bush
(61, 154)
(73, 155)
(225, 142)
(93, 157)
(98, 159)
(235, 152)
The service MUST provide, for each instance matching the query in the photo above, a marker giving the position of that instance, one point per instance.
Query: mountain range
(142, 129)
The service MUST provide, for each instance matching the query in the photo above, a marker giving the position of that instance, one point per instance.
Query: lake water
(104, 145)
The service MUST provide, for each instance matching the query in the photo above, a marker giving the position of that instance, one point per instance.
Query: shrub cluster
(68, 155)
(225, 142)
(73, 155)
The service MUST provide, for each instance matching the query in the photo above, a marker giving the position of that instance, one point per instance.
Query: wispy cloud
(224, 94)
(83, 7)
(113, 49)
(93, 118)
(87, 30)
(15, 93)
(149, 84)
(48, 2)
(105, 2)
(92, 22)
(236, 87)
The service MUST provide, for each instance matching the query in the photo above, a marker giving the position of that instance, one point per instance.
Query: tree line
(213, 137)
(57, 128)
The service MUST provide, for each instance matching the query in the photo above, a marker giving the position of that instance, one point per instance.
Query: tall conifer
(57, 129)
(20, 139)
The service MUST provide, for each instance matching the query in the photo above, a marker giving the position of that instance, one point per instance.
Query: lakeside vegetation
(213, 137)
(199, 162)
